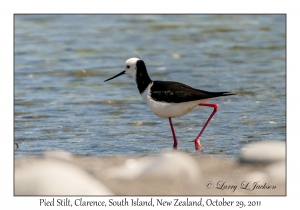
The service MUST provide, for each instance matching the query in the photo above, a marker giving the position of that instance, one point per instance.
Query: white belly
(168, 110)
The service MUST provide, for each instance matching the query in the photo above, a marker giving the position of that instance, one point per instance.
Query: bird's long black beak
(123, 72)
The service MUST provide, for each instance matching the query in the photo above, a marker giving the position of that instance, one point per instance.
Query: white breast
(168, 110)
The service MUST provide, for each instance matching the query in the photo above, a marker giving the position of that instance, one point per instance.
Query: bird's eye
(128, 67)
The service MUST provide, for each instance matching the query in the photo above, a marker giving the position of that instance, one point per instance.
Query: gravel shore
(260, 170)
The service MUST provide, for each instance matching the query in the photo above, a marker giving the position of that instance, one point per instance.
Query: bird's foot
(198, 145)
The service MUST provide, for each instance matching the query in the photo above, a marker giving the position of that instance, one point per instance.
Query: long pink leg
(174, 136)
(197, 140)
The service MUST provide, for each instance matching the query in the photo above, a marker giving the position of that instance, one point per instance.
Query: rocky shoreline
(260, 170)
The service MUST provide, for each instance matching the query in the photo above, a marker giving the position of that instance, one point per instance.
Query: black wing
(175, 92)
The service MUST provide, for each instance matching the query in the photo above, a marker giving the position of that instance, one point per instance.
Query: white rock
(276, 172)
(130, 170)
(263, 152)
(173, 164)
(55, 177)
(59, 154)
(168, 165)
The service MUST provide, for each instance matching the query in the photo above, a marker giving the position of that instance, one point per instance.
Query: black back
(175, 92)
(142, 77)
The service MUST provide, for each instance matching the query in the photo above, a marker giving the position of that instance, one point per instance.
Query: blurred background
(62, 103)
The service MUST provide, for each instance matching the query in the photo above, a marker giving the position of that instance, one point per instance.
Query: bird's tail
(218, 94)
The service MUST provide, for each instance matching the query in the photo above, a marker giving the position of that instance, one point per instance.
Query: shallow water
(61, 101)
